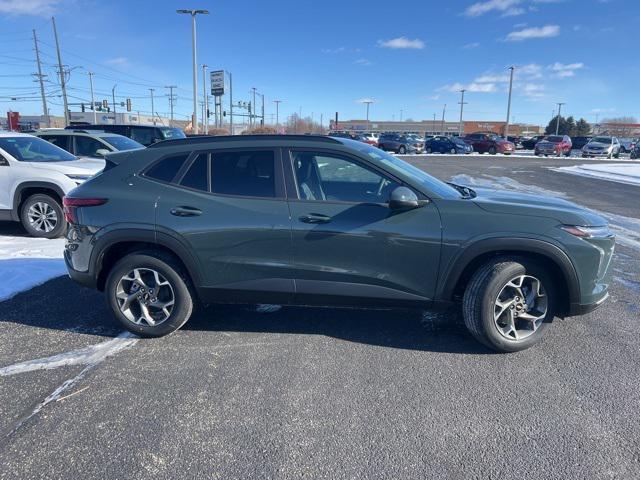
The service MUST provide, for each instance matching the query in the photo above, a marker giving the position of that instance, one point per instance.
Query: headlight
(588, 232)
(80, 178)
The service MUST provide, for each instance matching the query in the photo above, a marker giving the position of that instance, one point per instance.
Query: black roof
(241, 138)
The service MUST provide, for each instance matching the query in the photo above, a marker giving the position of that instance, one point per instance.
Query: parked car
(234, 223)
(87, 143)
(395, 142)
(578, 142)
(530, 143)
(34, 176)
(372, 138)
(447, 145)
(607, 147)
(626, 144)
(554, 145)
(489, 143)
(516, 141)
(144, 134)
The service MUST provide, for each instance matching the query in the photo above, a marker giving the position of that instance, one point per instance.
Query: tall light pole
(153, 112)
(171, 100)
(367, 102)
(558, 118)
(93, 103)
(230, 104)
(506, 127)
(277, 102)
(462, 103)
(444, 109)
(193, 13)
(45, 109)
(205, 99)
(113, 98)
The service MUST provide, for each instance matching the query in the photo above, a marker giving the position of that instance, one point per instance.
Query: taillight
(71, 204)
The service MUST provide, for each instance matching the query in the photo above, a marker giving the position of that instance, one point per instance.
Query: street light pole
(462, 102)
(205, 99)
(153, 115)
(558, 118)
(93, 103)
(277, 102)
(113, 98)
(444, 109)
(506, 127)
(193, 13)
(171, 100)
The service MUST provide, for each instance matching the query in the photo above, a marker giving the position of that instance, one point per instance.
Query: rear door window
(61, 141)
(87, 146)
(244, 173)
(145, 136)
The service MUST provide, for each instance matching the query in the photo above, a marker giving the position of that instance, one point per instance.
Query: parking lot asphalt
(328, 393)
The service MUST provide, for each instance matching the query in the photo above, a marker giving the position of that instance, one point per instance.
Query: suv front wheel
(41, 216)
(509, 303)
(149, 295)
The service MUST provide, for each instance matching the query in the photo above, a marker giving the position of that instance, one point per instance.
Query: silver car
(604, 147)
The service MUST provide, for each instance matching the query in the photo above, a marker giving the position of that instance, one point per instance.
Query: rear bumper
(86, 279)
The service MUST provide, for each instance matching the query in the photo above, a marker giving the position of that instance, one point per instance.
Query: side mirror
(3, 162)
(403, 198)
(102, 152)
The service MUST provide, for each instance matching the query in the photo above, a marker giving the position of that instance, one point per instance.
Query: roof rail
(231, 138)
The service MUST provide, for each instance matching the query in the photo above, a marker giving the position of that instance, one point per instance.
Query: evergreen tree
(551, 128)
(582, 128)
(571, 127)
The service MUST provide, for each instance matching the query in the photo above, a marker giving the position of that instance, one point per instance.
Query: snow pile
(615, 172)
(28, 262)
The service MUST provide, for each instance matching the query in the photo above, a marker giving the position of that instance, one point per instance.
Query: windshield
(172, 133)
(34, 149)
(394, 164)
(553, 139)
(602, 139)
(122, 143)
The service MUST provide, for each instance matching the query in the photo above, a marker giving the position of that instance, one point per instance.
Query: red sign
(13, 118)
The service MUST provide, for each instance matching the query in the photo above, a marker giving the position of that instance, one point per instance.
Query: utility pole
(277, 102)
(462, 104)
(251, 117)
(194, 116)
(262, 110)
(45, 110)
(321, 122)
(367, 103)
(113, 99)
(171, 102)
(61, 72)
(444, 109)
(558, 118)
(153, 112)
(401, 112)
(230, 103)
(506, 127)
(93, 103)
(205, 99)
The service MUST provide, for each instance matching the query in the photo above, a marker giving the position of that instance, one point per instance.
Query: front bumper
(590, 154)
(576, 309)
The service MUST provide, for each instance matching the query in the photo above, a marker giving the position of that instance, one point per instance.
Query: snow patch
(28, 262)
(628, 173)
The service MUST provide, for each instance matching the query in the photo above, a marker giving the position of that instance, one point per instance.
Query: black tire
(492, 150)
(36, 201)
(453, 151)
(429, 150)
(402, 150)
(172, 272)
(478, 304)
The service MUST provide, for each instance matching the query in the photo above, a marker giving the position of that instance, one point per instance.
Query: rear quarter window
(166, 169)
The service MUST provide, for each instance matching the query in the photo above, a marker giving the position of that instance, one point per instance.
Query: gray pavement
(331, 393)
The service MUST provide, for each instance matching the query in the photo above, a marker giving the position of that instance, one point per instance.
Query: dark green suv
(311, 220)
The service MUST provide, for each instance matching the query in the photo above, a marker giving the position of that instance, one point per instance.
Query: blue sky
(326, 56)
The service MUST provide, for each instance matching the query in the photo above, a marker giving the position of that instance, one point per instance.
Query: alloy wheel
(145, 297)
(520, 307)
(42, 217)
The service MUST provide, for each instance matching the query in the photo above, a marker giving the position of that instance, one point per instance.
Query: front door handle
(186, 211)
(315, 218)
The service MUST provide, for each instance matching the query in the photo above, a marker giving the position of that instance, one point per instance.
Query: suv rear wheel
(41, 216)
(402, 150)
(509, 303)
(149, 295)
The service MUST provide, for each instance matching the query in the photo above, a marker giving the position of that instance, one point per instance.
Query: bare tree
(620, 126)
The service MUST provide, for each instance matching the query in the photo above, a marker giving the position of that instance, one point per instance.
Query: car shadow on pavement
(62, 305)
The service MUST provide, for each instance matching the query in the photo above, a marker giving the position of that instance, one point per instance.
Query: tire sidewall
(61, 226)
(183, 299)
(494, 287)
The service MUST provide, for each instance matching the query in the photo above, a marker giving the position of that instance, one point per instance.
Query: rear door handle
(315, 218)
(186, 211)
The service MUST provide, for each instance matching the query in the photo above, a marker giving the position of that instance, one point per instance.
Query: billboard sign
(217, 83)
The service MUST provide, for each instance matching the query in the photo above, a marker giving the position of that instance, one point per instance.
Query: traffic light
(82, 107)
(128, 104)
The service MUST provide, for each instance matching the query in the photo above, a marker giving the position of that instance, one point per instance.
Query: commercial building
(436, 127)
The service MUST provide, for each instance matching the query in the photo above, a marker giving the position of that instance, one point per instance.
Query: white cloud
(514, 12)
(471, 45)
(433, 97)
(480, 8)
(533, 32)
(340, 50)
(532, 90)
(563, 70)
(489, 78)
(364, 62)
(366, 100)
(41, 8)
(472, 87)
(402, 42)
(118, 62)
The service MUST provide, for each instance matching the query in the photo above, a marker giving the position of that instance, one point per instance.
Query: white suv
(34, 176)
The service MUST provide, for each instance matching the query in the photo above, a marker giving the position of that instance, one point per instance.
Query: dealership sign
(217, 83)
